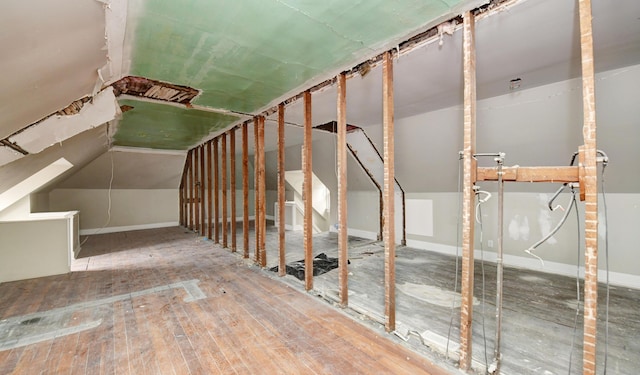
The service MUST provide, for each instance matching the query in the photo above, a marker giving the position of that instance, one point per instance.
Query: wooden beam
(529, 174)
(191, 195)
(216, 191)
(232, 169)
(281, 196)
(307, 197)
(245, 190)
(468, 195)
(203, 231)
(196, 192)
(223, 160)
(590, 189)
(209, 195)
(341, 150)
(388, 194)
(256, 188)
(262, 192)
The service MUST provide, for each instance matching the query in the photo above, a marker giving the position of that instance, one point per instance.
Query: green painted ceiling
(161, 126)
(243, 54)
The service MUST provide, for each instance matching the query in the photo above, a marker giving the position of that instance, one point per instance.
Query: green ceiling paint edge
(243, 54)
(161, 126)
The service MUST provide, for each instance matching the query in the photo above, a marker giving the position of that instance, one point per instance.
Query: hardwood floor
(132, 306)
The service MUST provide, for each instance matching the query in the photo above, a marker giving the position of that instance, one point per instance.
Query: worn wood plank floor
(125, 309)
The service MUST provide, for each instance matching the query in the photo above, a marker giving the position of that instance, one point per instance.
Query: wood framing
(256, 193)
(590, 190)
(307, 171)
(341, 150)
(245, 191)
(209, 194)
(388, 194)
(203, 231)
(281, 196)
(262, 192)
(196, 191)
(191, 197)
(216, 190)
(468, 207)
(232, 176)
(223, 160)
(529, 174)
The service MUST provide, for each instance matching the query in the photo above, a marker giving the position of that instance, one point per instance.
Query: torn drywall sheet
(55, 129)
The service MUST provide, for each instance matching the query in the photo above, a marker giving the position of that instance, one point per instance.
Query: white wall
(130, 208)
(34, 248)
(538, 126)
(19, 210)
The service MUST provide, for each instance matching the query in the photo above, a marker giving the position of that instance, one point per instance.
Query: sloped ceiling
(245, 56)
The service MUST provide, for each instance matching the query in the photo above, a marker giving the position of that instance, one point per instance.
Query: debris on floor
(321, 264)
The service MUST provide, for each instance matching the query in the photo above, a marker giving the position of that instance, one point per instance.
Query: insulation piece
(148, 88)
(81, 115)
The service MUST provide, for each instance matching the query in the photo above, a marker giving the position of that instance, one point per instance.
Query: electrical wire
(479, 221)
(606, 255)
(455, 283)
(575, 319)
(550, 234)
(109, 202)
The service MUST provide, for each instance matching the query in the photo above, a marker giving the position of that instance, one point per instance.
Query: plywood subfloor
(168, 301)
(538, 308)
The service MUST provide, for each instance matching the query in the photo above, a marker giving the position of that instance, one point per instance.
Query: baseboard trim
(128, 228)
(615, 278)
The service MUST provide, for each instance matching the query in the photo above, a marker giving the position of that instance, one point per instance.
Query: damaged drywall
(152, 89)
(82, 115)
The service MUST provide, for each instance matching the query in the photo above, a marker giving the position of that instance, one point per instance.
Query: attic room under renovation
(327, 187)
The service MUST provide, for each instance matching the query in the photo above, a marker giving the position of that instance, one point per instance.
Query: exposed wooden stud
(468, 207)
(209, 193)
(245, 190)
(216, 191)
(341, 150)
(223, 160)
(307, 197)
(256, 192)
(262, 192)
(389, 194)
(181, 200)
(203, 231)
(281, 194)
(191, 195)
(591, 190)
(196, 192)
(232, 169)
(529, 174)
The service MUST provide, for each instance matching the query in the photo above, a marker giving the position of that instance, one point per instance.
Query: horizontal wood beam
(529, 174)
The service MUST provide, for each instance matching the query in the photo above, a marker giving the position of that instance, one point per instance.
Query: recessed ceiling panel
(160, 126)
(244, 54)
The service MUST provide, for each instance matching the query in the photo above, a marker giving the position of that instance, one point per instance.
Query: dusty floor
(539, 309)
